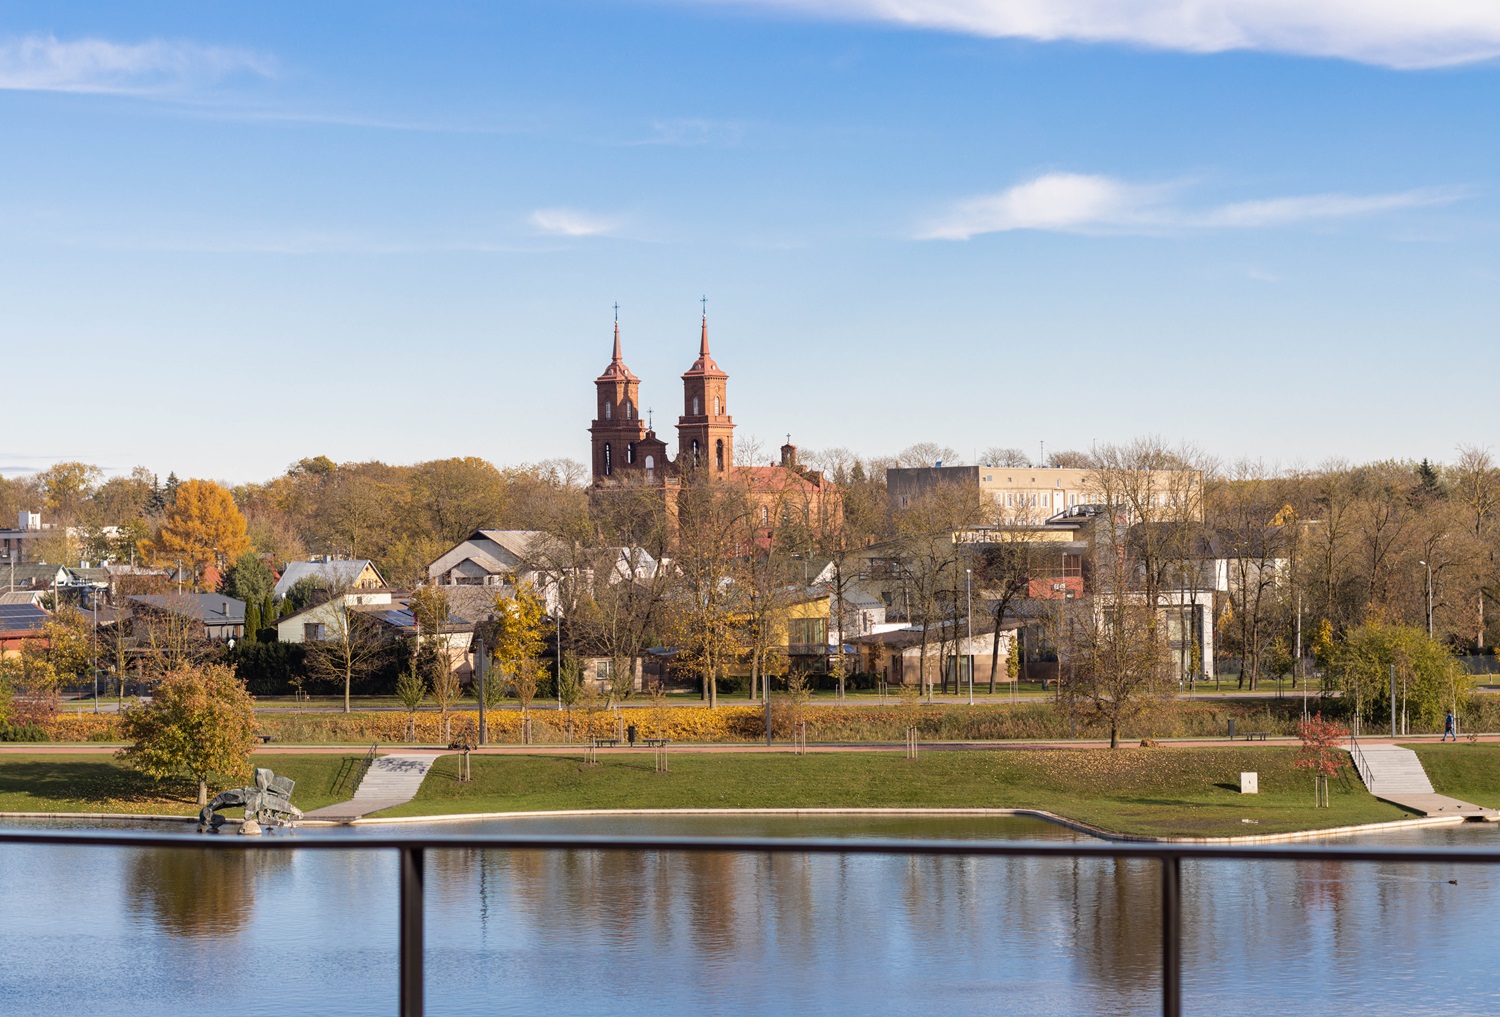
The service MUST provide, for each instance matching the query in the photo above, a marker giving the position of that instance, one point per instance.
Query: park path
(391, 780)
(1395, 774)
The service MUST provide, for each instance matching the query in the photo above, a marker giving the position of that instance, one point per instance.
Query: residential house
(328, 618)
(897, 656)
(18, 624)
(222, 618)
(487, 558)
(330, 574)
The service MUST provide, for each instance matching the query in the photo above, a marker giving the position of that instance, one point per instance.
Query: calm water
(106, 931)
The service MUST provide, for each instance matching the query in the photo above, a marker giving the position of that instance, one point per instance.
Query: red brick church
(628, 453)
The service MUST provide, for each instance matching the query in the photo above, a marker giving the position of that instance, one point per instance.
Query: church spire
(704, 366)
(617, 371)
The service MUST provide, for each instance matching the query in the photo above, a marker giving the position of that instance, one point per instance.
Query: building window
(630, 453)
(765, 515)
(629, 410)
(695, 451)
(807, 636)
(609, 462)
(695, 406)
(604, 669)
(719, 455)
(609, 411)
(717, 409)
(650, 466)
(312, 632)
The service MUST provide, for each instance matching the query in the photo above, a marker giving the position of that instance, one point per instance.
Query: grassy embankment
(1163, 792)
(1184, 792)
(65, 783)
(1470, 773)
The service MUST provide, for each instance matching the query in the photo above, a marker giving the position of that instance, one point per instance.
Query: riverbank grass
(1470, 773)
(1159, 792)
(94, 783)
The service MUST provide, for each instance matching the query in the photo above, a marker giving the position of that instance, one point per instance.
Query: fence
(412, 851)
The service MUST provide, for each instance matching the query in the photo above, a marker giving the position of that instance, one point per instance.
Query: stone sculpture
(268, 803)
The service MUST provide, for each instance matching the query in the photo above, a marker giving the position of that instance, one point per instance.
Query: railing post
(1171, 936)
(411, 931)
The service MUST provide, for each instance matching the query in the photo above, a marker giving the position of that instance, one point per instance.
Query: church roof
(704, 366)
(617, 371)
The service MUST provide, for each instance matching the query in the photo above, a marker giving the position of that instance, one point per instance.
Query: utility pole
(481, 666)
(1393, 700)
(969, 627)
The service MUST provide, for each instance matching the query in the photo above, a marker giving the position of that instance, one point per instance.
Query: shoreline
(1098, 833)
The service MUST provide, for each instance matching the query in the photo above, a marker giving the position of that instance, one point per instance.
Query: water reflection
(198, 894)
(532, 932)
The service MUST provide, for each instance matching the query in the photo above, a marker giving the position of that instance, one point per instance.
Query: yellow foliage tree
(202, 527)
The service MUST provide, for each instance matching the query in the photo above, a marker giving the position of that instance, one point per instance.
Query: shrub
(23, 733)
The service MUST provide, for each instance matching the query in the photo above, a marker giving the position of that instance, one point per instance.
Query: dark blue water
(100, 931)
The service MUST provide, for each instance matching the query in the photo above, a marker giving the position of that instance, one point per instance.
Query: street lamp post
(1429, 597)
(969, 628)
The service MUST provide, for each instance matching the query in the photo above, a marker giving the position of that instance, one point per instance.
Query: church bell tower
(617, 428)
(705, 431)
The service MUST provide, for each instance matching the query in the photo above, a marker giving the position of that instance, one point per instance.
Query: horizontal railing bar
(764, 845)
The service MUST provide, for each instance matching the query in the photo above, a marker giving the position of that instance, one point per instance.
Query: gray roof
(28, 574)
(209, 608)
(339, 572)
(22, 617)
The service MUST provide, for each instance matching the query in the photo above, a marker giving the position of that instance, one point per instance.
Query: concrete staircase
(1396, 775)
(1392, 770)
(391, 780)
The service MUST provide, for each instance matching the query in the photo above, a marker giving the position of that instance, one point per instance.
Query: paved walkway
(1394, 774)
(391, 780)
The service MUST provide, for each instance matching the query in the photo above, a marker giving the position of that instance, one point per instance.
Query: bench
(1256, 735)
(659, 743)
(606, 743)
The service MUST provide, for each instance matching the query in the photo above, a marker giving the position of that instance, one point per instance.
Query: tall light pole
(969, 628)
(1429, 597)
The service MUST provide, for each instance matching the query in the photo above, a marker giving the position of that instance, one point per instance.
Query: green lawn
(1470, 773)
(83, 783)
(1185, 792)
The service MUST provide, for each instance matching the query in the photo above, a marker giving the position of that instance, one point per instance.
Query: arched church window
(609, 411)
(765, 515)
(719, 455)
(695, 452)
(650, 466)
(630, 453)
(609, 464)
(629, 410)
(717, 409)
(695, 406)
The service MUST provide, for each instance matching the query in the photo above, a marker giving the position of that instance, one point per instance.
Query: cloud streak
(43, 63)
(569, 222)
(1391, 33)
(1084, 203)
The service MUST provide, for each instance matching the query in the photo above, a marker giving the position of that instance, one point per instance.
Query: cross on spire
(617, 312)
(704, 302)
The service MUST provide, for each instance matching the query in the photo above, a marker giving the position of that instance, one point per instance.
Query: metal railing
(412, 851)
(1361, 765)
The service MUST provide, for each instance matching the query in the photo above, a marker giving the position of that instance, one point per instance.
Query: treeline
(1340, 544)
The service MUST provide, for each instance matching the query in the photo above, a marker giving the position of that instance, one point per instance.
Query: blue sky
(232, 236)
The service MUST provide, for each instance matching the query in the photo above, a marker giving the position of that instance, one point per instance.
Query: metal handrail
(1361, 764)
(412, 851)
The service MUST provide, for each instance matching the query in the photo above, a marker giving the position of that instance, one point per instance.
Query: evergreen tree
(252, 621)
(268, 612)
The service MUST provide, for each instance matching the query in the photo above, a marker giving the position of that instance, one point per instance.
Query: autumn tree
(520, 639)
(349, 649)
(200, 723)
(711, 517)
(1118, 667)
(202, 527)
(1430, 681)
(429, 607)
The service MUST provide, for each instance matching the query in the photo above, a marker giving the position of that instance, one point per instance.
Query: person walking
(1448, 731)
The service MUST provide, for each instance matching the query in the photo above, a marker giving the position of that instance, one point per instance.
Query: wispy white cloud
(44, 63)
(1083, 203)
(1392, 33)
(694, 132)
(569, 222)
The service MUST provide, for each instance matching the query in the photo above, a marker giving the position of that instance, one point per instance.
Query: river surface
(108, 931)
